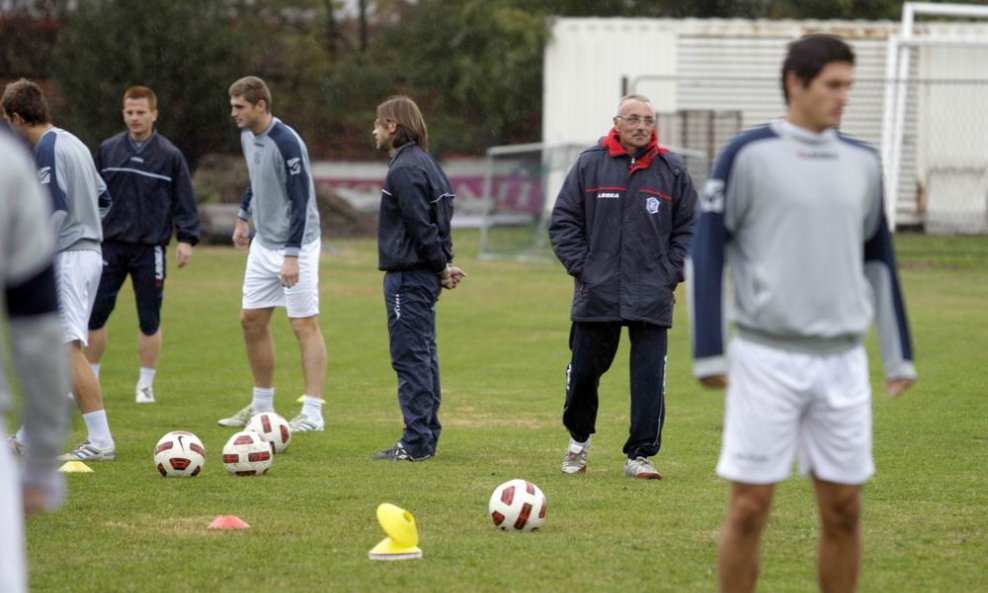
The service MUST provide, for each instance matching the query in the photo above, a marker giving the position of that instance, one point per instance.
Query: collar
(399, 150)
(642, 159)
(788, 129)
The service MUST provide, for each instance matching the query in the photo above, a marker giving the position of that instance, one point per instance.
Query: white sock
(312, 407)
(99, 429)
(95, 366)
(146, 378)
(576, 447)
(263, 400)
(19, 435)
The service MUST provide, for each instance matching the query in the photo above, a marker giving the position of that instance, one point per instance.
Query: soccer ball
(179, 454)
(517, 505)
(247, 454)
(273, 429)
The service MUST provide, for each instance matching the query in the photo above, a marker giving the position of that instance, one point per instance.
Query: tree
(188, 51)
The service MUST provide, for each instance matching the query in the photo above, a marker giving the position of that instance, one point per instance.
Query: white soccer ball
(517, 505)
(247, 454)
(273, 429)
(179, 454)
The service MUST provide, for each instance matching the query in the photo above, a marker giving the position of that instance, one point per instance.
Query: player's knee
(749, 512)
(305, 326)
(252, 322)
(843, 514)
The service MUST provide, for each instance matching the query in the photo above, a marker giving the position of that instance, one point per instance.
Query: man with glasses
(621, 226)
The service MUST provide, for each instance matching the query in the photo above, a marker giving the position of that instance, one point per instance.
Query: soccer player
(153, 197)
(795, 208)
(415, 250)
(621, 226)
(80, 200)
(29, 314)
(283, 261)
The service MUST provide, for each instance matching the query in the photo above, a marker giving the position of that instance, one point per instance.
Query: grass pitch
(502, 340)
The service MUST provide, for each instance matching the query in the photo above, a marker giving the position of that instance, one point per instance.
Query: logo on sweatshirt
(44, 175)
(652, 205)
(608, 194)
(294, 166)
(712, 199)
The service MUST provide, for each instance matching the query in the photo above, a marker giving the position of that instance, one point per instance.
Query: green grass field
(502, 340)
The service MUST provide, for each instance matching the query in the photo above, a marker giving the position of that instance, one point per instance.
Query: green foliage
(187, 51)
(502, 345)
(474, 67)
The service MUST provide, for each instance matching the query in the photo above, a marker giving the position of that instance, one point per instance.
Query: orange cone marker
(228, 522)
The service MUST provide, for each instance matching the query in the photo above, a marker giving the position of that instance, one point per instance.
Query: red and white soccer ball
(517, 505)
(247, 454)
(179, 454)
(273, 429)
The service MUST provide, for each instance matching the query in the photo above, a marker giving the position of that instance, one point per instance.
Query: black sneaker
(397, 453)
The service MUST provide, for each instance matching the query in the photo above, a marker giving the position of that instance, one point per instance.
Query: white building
(710, 78)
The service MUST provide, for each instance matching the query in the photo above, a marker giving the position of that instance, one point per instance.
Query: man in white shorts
(283, 260)
(29, 316)
(79, 201)
(795, 208)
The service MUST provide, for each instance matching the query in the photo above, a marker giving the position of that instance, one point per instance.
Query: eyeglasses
(635, 120)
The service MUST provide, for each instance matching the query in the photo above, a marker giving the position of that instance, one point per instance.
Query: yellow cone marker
(403, 538)
(75, 467)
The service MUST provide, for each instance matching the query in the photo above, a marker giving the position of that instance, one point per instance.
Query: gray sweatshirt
(79, 196)
(281, 195)
(798, 218)
(29, 312)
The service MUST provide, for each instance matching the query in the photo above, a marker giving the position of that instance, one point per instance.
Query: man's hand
(183, 253)
(896, 387)
(453, 278)
(241, 234)
(289, 272)
(714, 381)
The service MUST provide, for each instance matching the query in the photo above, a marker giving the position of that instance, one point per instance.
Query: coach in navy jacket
(621, 226)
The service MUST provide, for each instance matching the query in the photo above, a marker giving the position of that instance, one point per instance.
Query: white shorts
(780, 403)
(13, 571)
(262, 281)
(78, 274)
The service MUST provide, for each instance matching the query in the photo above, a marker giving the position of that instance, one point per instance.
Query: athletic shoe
(144, 395)
(397, 453)
(575, 462)
(641, 468)
(238, 420)
(87, 451)
(16, 447)
(303, 423)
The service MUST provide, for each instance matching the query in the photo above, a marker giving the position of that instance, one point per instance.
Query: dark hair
(25, 98)
(142, 92)
(252, 89)
(807, 57)
(406, 115)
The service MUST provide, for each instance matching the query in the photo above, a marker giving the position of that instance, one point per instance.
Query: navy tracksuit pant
(594, 345)
(410, 297)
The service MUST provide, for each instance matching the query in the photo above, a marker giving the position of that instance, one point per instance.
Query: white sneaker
(238, 420)
(641, 468)
(303, 423)
(87, 451)
(144, 395)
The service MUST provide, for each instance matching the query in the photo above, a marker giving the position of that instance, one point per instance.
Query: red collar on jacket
(612, 141)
